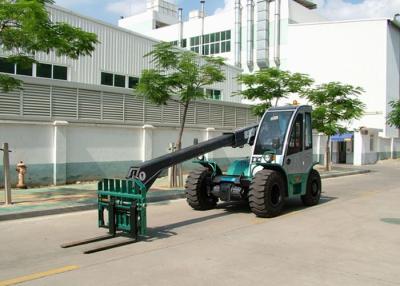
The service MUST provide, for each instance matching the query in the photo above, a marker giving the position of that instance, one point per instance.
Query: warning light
(295, 102)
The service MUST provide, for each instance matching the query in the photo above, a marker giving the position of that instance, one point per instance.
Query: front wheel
(267, 193)
(198, 190)
(313, 192)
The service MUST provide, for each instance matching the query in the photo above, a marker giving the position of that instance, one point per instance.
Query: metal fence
(54, 102)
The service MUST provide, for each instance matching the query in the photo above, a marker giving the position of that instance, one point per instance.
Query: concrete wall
(59, 153)
(384, 148)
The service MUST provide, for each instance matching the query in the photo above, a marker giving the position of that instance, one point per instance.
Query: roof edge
(308, 4)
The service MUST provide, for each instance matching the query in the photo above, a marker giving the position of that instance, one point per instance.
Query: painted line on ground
(38, 275)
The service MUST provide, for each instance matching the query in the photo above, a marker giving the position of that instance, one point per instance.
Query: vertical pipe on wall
(263, 33)
(277, 32)
(203, 13)
(250, 34)
(180, 17)
(238, 40)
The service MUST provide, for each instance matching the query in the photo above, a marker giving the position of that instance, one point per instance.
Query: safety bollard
(6, 172)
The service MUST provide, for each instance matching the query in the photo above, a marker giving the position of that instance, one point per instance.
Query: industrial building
(80, 119)
(291, 35)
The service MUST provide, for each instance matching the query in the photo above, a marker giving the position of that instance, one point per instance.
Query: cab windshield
(273, 126)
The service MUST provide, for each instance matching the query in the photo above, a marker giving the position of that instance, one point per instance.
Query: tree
(178, 76)
(25, 29)
(394, 116)
(271, 84)
(335, 105)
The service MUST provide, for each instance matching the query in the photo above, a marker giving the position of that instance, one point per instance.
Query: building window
(119, 80)
(176, 43)
(107, 79)
(60, 72)
(213, 43)
(214, 94)
(133, 82)
(43, 70)
(6, 66)
(24, 70)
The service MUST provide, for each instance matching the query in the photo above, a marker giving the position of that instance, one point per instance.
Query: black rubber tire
(267, 193)
(197, 190)
(313, 192)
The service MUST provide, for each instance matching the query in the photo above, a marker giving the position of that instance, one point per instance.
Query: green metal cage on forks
(125, 201)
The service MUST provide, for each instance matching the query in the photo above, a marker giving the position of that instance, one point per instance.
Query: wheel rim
(275, 195)
(314, 189)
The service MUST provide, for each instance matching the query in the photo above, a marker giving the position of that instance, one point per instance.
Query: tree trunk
(177, 170)
(328, 166)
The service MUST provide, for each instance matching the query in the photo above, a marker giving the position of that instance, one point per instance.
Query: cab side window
(308, 132)
(296, 136)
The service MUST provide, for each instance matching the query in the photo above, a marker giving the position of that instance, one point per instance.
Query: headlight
(200, 158)
(268, 158)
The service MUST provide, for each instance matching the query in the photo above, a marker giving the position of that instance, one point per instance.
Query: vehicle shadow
(166, 231)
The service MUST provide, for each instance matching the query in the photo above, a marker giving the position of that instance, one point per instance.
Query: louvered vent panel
(241, 114)
(10, 103)
(171, 113)
(89, 104)
(202, 113)
(113, 106)
(216, 113)
(134, 108)
(251, 118)
(153, 112)
(191, 116)
(229, 116)
(64, 102)
(36, 100)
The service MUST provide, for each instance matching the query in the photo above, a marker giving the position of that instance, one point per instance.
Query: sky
(111, 10)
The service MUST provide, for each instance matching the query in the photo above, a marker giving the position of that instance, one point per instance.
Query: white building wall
(392, 73)
(291, 11)
(353, 52)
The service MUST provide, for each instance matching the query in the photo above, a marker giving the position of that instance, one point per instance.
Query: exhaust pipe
(180, 17)
(203, 13)
(250, 34)
(238, 35)
(263, 33)
(277, 48)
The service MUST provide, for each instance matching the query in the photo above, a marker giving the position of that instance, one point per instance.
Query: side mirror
(276, 143)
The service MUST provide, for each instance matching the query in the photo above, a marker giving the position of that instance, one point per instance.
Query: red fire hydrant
(21, 169)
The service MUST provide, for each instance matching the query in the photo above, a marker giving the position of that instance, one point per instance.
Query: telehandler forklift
(280, 167)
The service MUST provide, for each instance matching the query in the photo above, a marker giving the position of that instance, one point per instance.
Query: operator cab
(284, 138)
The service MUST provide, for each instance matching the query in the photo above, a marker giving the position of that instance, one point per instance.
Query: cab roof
(287, 107)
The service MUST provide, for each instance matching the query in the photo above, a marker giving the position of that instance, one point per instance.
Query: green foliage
(9, 83)
(25, 29)
(394, 116)
(178, 73)
(271, 84)
(335, 104)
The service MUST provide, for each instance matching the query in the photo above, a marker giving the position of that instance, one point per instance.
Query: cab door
(298, 159)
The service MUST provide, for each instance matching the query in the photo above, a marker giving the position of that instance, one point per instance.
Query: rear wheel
(313, 192)
(267, 193)
(198, 190)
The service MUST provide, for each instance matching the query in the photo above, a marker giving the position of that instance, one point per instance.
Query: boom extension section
(125, 200)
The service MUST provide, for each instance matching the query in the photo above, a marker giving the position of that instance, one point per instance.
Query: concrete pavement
(78, 197)
(351, 238)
